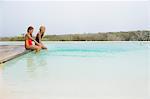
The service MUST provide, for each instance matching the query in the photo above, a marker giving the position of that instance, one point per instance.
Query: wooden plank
(8, 52)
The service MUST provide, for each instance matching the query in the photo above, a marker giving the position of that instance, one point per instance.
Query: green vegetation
(109, 36)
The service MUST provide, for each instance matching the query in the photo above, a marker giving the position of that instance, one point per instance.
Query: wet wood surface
(8, 52)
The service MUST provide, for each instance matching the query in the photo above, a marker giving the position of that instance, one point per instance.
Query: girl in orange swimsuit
(29, 39)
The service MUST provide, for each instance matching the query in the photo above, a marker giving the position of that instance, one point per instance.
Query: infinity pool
(79, 70)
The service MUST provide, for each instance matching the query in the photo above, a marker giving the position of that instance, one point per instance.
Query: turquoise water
(79, 70)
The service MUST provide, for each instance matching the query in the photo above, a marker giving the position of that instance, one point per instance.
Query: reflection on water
(34, 62)
(71, 70)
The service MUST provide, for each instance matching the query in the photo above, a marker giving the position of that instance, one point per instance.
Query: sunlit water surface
(79, 70)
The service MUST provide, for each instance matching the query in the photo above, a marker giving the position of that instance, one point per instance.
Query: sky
(67, 17)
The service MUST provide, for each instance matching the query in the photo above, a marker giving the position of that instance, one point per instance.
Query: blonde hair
(41, 27)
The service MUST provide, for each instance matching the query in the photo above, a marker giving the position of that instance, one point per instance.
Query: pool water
(79, 70)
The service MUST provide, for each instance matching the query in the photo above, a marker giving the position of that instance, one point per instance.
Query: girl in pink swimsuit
(29, 39)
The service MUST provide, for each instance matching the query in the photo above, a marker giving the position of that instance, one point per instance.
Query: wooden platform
(8, 52)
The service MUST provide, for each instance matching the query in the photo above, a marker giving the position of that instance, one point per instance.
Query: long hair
(40, 30)
(30, 28)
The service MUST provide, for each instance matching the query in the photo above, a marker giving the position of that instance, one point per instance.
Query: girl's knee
(38, 47)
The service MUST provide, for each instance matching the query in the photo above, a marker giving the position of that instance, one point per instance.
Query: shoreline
(99, 36)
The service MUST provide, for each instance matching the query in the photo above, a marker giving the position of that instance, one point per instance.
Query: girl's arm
(33, 39)
(40, 39)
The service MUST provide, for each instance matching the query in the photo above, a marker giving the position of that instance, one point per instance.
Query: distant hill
(109, 36)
